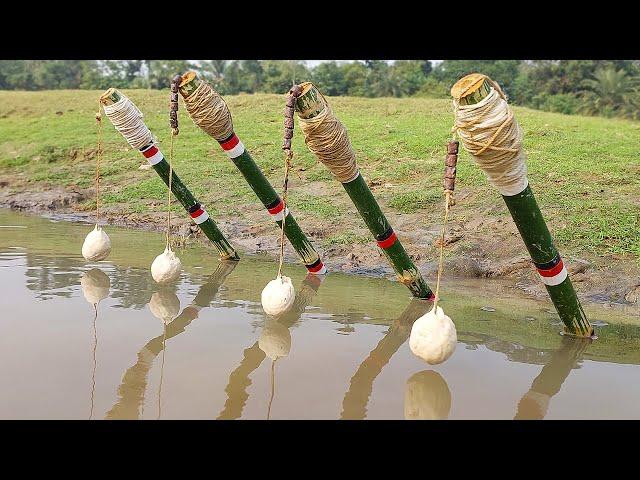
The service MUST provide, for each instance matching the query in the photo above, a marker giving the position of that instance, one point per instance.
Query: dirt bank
(480, 245)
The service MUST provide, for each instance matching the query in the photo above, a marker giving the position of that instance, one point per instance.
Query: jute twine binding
(490, 133)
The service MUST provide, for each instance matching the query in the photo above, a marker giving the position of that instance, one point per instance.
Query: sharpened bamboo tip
(189, 83)
(309, 104)
(110, 97)
(470, 89)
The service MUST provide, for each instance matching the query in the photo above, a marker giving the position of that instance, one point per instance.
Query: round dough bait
(278, 296)
(97, 245)
(164, 305)
(95, 285)
(433, 337)
(427, 397)
(166, 267)
(275, 339)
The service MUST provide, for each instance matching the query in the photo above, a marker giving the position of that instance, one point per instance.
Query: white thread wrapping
(504, 161)
(127, 119)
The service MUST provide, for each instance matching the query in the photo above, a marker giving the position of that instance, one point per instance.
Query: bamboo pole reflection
(275, 339)
(95, 287)
(354, 404)
(535, 403)
(134, 382)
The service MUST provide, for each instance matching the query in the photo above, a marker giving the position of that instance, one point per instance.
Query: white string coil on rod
(492, 135)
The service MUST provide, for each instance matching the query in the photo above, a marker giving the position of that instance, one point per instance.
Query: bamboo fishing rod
(193, 207)
(523, 207)
(309, 105)
(251, 172)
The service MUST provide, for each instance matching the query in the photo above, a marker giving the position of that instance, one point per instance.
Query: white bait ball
(166, 267)
(278, 296)
(427, 397)
(95, 285)
(97, 245)
(164, 305)
(275, 340)
(433, 337)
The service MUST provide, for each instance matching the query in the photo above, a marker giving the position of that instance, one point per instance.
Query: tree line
(592, 87)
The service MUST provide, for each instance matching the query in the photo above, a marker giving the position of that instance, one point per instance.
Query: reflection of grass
(583, 170)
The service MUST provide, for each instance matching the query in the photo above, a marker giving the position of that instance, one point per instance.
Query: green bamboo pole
(242, 159)
(253, 356)
(533, 405)
(134, 382)
(534, 232)
(354, 404)
(310, 105)
(181, 192)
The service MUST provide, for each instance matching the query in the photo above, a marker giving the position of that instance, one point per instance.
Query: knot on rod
(173, 105)
(289, 108)
(209, 111)
(327, 138)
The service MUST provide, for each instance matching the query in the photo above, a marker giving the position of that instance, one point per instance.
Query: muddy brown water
(196, 349)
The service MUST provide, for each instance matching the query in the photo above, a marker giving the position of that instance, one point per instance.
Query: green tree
(252, 76)
(407, 76)
(612, 92)
(213, 71)
(355, 76)
(278, 75)
(502, 71)
(330, 78)
(160, 72)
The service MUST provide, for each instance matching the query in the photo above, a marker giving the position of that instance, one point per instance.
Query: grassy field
(584, 171)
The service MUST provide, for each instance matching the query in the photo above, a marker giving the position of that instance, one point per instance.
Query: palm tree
(612, 91)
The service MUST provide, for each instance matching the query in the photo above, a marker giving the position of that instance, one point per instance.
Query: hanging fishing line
(433, 336)
(166, 267)
(97, 245)
(168, 246)
(98, 159)
(447, 206)
(279, 295)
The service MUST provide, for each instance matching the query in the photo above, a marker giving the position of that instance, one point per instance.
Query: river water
(204, 349)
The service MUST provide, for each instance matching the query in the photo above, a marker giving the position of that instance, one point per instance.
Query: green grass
(585, 171)
(415, 200)
(347, 238)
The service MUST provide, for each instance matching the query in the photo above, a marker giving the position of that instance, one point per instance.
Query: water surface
(196, 349)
